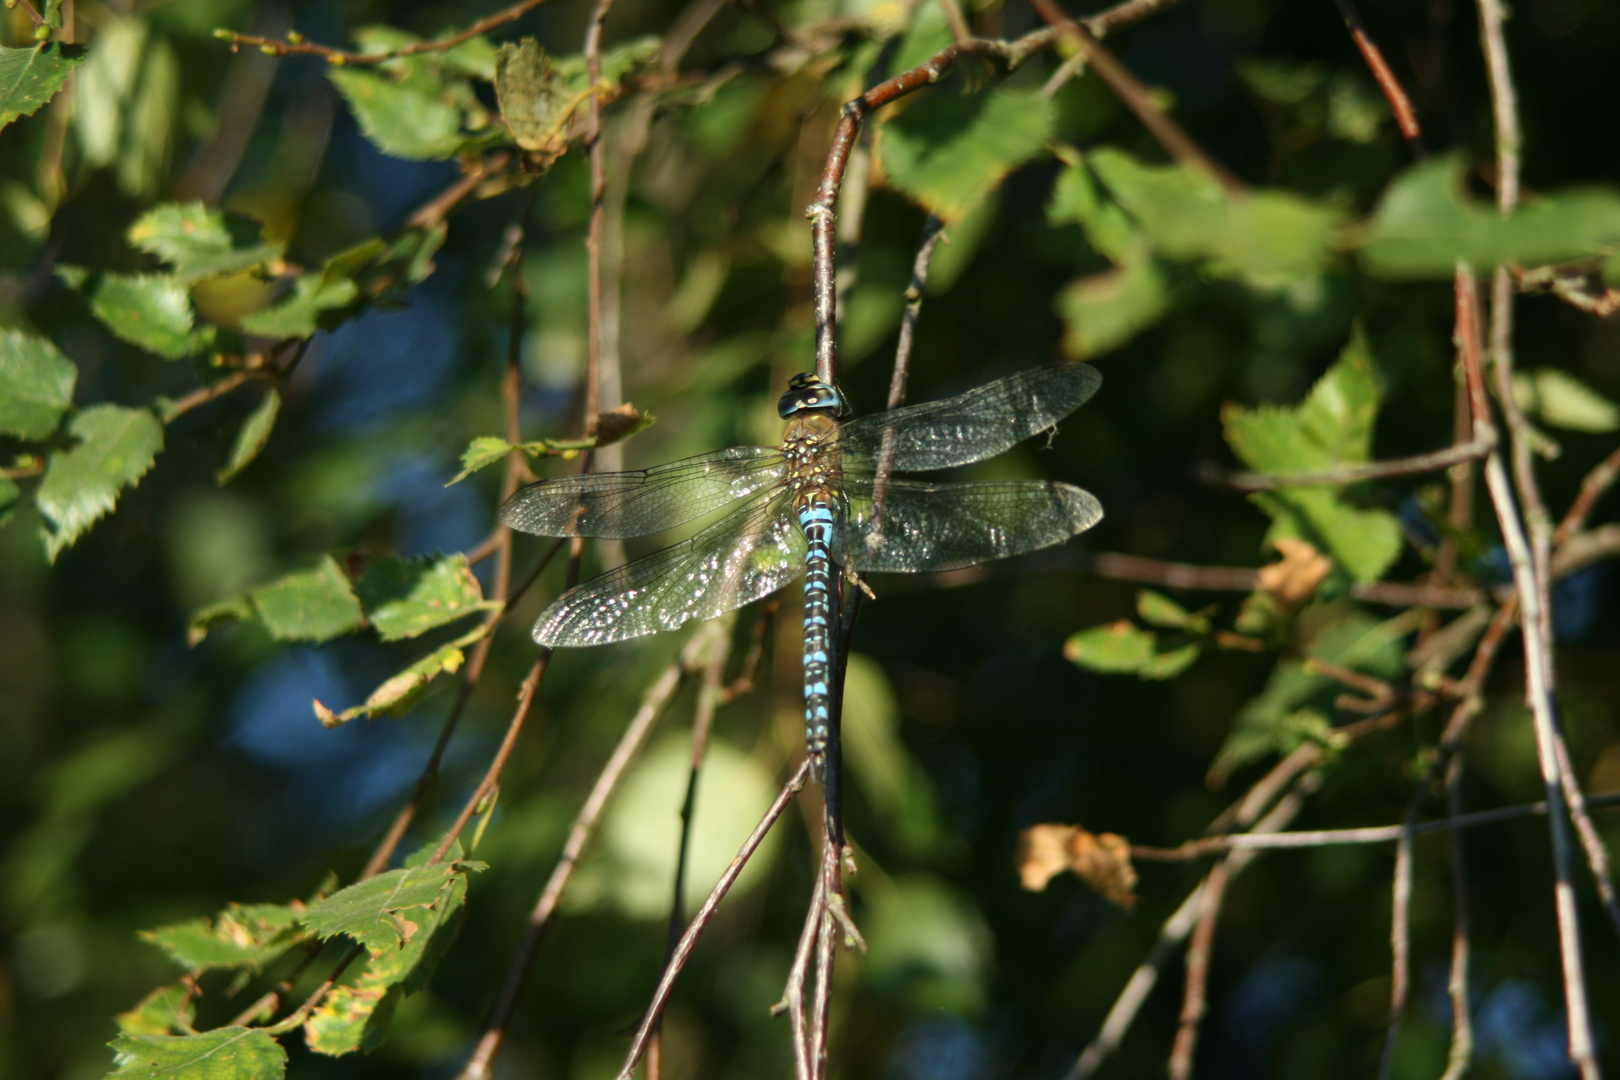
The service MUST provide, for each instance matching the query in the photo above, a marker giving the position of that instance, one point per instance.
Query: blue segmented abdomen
(816, 521)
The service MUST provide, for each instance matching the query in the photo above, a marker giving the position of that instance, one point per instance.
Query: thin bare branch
(1415, 465)
(297, 45)
(1194, 997)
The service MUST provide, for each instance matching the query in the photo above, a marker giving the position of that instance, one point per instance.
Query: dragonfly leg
(859, 582)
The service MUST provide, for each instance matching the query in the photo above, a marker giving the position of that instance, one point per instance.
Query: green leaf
(116, 447)
(1268, 239)
(10, 494)
(355, 1015)
(1426, 221)
(536, 101)
(230, 1053)
(486, 450)
(948, 152)
(245, 936)
(314, 605)
(405, 119)
(206, 618)
(407, 597)
(1075, 199)
(166, 1010)
(31, 77)
(1332, 426)
(298, 315)
(1563, 401)
(1124, 648)
(36, 385)
(388, 911)
(251, 436)
(152, 311)
(1159, 610)
(400, 692)
(1104, 311)
(200, 241)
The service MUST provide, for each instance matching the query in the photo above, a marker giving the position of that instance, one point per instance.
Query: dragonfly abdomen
(816, 520)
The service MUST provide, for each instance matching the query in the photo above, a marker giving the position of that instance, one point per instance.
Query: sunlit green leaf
(407, 120)
(356, 1014)
(1563, 401)
(251, 436)
(951, 150)
(230, 1053)
(314, 605)
(152, 311)
(1426, 221)
(1268, 239)
(247, 936)
(399, 692)
(10, 494)
(486, 450)
(168, 1010)
(36, 385)
(200, 241)
(406, 597)
(299, 314)
(1076, 200)
(388, 911)
(31, 77)
(1159, 610)
(116, 447)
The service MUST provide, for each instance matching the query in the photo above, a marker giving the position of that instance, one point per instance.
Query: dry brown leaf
(1294, 577)
(1102, 860)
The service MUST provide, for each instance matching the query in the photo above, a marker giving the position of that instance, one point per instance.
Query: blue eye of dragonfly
(804, 392)
(816, 500)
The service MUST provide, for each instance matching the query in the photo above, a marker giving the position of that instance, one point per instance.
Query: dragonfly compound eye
(805, 392)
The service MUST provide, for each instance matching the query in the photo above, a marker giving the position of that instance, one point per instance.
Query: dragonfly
(826, 496)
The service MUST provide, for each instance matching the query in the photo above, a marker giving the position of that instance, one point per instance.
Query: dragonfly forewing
(625, 504)
(972, 426)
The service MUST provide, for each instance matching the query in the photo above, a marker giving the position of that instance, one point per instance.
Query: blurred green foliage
(254, 316)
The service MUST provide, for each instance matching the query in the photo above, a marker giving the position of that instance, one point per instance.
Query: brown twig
(1195, 993)
(1462, 1024)
(296, 45)
(653, 703)
(683, 948)
(1598, 481)
(1136, 97)
(1405, 115)
(1415, 465)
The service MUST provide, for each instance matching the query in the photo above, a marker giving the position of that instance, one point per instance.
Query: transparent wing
(622, 504)
(971, 426)
(924, 526)
(746, 555)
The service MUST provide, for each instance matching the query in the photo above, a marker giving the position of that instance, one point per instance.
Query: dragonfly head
(806, 392)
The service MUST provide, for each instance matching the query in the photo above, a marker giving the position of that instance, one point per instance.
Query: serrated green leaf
(314, 605)
(230, 1053)
(251, 436)
(167, 1010)
(31, 77)
(398, 693)
(116, 447)
(1365, 542)
(206, 618)
(405, 119)
(152, 311)
(200, 241)
(1563, 401)
(299, 314)
(355, 1015)
(950, 151)
(486, 450)
(407, 597)
(1426, 221)
(1268, 239)
(1104, 311)
(388, 911)
(36, 385)
(246, 936)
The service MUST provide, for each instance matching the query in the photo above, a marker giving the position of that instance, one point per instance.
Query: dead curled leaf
(1294, 577)
(1102, 860)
